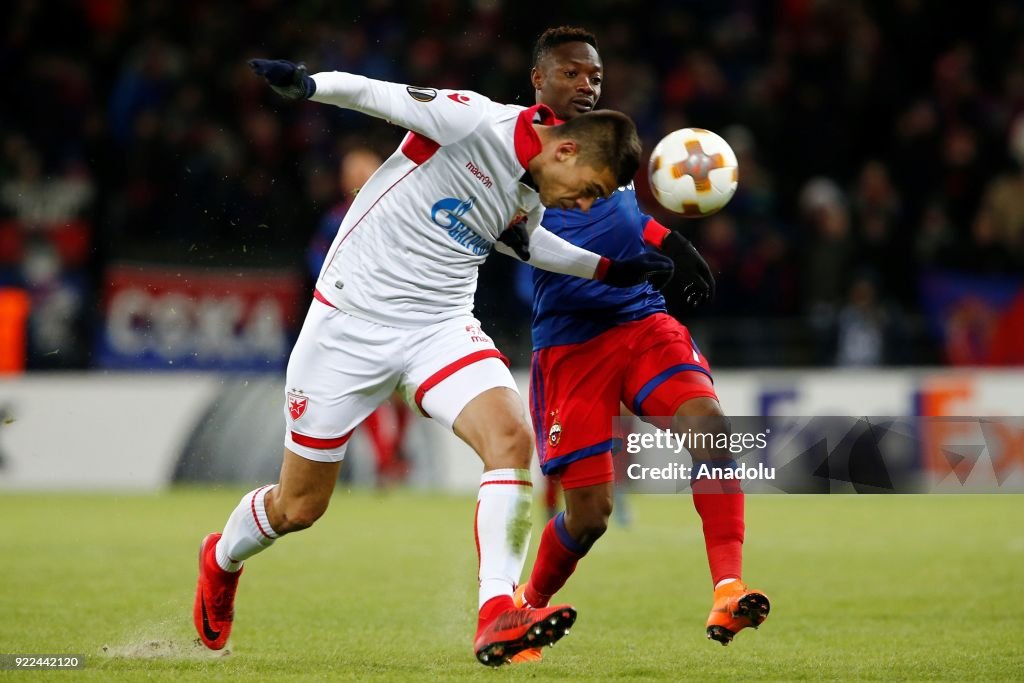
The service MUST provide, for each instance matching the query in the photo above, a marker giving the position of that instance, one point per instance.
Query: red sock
(556, 561)
(491, 609)
(722, 515)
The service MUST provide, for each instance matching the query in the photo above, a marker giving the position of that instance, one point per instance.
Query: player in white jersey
(392, 310)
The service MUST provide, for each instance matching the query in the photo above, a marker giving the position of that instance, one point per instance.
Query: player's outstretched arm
(545, 250)
(444, 116)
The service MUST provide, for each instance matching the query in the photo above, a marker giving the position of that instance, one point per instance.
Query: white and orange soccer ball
(693, 172)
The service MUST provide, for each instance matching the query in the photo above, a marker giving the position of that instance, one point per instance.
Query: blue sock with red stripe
(556, 561)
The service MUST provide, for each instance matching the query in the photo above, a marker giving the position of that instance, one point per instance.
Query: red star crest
(297, 405)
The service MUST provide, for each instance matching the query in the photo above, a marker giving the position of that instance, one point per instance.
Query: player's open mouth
(583, 104)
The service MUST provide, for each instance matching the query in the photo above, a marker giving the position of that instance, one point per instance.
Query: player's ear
(566, 149)
(536, 78)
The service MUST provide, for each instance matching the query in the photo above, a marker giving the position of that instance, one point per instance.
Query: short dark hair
(553, 37)
(606, 139)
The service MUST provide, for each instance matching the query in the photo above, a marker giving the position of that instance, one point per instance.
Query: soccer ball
(693, 172)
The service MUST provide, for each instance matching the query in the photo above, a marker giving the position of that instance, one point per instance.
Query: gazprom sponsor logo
(448, 214)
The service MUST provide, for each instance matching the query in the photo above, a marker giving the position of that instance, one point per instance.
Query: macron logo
(481, 176)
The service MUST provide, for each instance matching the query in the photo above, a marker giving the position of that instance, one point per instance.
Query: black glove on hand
(287, 79)
(516, 237)
(691, 268)
(649, 266)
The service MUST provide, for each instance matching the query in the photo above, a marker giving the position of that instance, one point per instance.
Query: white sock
(723, 582)
(247, 531)
(504, 522)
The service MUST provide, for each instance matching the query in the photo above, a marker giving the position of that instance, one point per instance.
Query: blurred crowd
(879, 141)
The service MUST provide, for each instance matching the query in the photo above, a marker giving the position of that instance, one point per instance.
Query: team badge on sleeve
(296, 405)
(421, 94)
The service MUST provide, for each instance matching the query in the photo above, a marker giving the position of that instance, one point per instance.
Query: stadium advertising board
(98, 431)
(170, 318)
(211, 427)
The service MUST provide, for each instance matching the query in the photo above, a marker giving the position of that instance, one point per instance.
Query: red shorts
(651, 365)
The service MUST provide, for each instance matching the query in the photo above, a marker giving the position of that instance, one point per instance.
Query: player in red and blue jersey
(596, 346)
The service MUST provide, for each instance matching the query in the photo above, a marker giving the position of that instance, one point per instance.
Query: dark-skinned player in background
(596, 346)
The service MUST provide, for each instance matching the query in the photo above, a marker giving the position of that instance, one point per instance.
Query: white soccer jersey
(408, 250)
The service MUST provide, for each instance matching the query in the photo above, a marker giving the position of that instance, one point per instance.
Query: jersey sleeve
(654, 232)
(550, 252)
(444, 116)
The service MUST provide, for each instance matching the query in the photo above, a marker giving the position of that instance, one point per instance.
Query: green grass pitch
(383, 588)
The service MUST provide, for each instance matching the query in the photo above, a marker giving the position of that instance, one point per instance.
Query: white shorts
(343, 367)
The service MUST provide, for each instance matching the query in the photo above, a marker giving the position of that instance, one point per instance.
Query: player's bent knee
(587, 511)
(495, 426)
(593, 524)
(299, 516)
(511, 446)
(587, 528)
(507, 444)
(287, 515)
(704, 416)
(519, 442)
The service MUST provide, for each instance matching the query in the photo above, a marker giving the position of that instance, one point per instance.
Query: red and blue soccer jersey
(570, 310)
(596, 346)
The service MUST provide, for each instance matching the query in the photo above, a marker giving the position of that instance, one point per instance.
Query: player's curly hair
(553, 37)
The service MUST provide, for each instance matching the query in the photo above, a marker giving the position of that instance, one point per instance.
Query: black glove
(691, 269)
(516, 237)
(287, 79)
(649, 266)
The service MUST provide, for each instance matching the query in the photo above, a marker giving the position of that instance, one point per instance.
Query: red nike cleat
(530, 654)
(214, 608)
(735, 609)
(518, 629)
